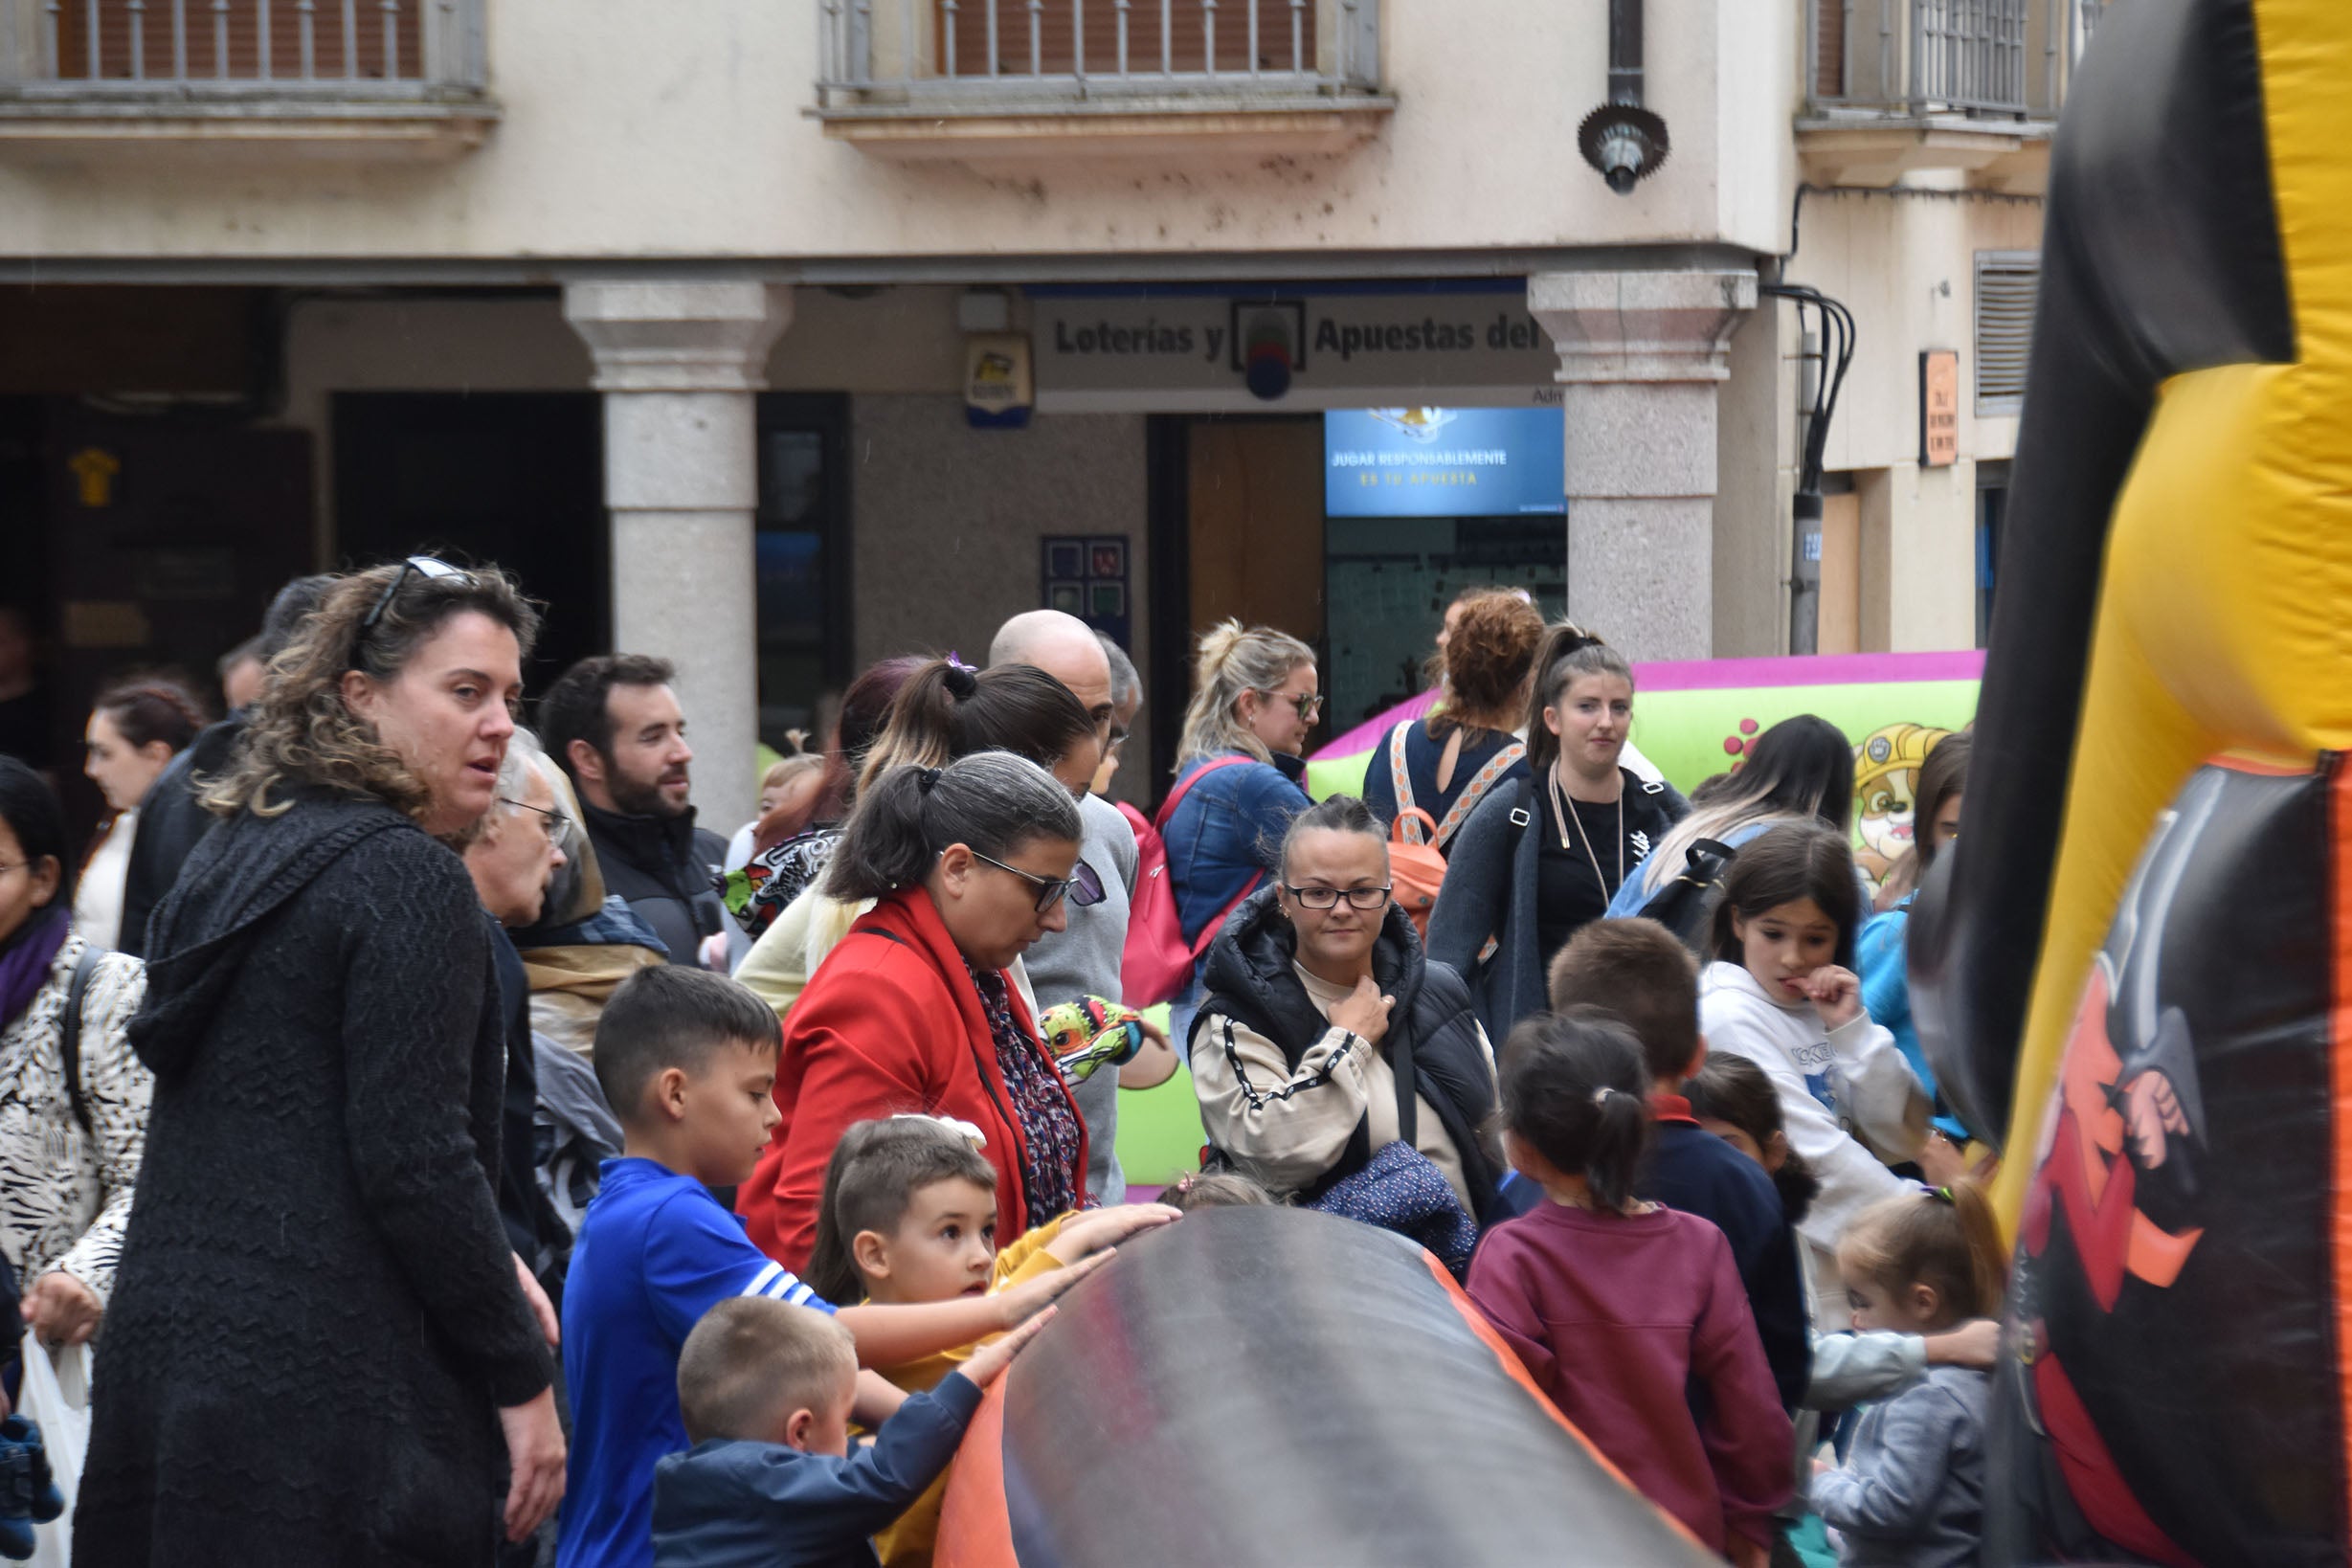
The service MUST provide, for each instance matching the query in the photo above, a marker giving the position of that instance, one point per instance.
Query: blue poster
(1444, 462)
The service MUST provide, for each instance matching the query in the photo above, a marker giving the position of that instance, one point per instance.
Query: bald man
(1083, 959)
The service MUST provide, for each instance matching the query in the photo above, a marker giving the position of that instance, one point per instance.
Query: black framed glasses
(1328, 898)
(1309, 705)
(1082, 887)
(424, 566)
(558, 825)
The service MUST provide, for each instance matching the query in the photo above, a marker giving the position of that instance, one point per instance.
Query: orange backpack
(1417, 864)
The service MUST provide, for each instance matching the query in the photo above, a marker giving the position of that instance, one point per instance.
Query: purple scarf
(25, 960)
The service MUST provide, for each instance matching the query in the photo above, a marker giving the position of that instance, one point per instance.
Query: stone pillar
(1641, 355)
(679, 364)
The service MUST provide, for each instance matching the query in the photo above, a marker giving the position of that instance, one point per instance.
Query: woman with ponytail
(945, 709)
(1255, 700)
(1621, 1310)
(1540, 859)
(964, 867)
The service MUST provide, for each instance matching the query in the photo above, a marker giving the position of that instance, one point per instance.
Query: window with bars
(1060, 38)
(2007, 283)
(247, 40)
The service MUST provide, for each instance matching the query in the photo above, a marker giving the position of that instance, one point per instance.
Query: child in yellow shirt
(909, 1214)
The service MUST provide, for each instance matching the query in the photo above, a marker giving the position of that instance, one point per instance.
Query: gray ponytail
(992, 802)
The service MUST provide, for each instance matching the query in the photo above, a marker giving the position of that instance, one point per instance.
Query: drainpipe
(1621, 139)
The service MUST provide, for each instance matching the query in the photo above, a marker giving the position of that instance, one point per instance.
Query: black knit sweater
(317, 1315)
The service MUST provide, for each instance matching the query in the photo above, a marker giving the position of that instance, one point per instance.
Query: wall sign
(1444, 462)
(999, 391)
(1218, 351)
(1086, 576)
(1939, 408)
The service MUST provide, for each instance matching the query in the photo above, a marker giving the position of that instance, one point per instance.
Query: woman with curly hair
(321, 1347)
(1444, 763)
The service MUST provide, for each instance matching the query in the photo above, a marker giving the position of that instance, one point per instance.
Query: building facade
(775, 338)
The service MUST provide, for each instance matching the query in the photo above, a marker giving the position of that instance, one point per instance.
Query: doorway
(511, 478)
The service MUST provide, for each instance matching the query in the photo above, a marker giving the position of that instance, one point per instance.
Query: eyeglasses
(557, 824)
(1309, 707)
(1084, 888)
(424, 566)
(1328, 898)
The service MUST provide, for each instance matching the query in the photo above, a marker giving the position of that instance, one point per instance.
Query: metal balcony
(955, 78)
(404, 73)
(1897, 85)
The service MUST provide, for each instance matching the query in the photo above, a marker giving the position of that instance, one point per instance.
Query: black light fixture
(1625, 142)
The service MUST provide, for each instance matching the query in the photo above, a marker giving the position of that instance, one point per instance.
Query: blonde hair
(1946, 1240)
(753, 1360)
(301, 733)
(784, 770)
(1234, 660)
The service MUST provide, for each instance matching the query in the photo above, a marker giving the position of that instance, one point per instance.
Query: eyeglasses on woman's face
(557, 824)
(1081, 886)
(1328, 898)
(1309, 704)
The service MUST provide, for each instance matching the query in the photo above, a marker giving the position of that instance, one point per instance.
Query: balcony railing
(189, 51)
(989, 56)
(1978, 59)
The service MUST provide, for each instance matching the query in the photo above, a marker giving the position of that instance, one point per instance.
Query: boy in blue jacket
(766, 1388)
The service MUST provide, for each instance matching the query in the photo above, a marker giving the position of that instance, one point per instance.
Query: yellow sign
(1939, 408)
(95, 470)
(999, 388)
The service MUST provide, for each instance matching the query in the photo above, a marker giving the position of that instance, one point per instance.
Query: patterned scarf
(25, 960)
(1051, 1181)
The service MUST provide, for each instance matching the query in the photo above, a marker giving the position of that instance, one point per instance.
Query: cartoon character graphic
(1886, 793)
(2147, 1240)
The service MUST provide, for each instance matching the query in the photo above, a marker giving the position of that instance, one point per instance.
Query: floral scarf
(1050, 1180)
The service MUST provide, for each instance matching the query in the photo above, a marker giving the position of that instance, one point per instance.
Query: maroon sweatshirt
(1614, 1317)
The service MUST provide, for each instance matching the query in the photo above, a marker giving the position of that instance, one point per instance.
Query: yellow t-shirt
(908, 1541)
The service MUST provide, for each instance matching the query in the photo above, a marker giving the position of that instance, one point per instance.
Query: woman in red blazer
(912, 1011)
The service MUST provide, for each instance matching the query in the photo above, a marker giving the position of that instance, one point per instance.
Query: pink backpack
(1158, 961)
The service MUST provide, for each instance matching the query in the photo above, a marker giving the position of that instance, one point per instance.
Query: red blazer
(889, 1022)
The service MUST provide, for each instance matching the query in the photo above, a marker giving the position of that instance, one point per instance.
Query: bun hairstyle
(1574, 1091)
(1335, 814)
(148, 711)
(871, 1182)
(1787, 864)
(992, 803)
(1566, 654)
(1946, 1240)
(1486, 662)
(1233, 660)
(947, 709)
(1732, 1088)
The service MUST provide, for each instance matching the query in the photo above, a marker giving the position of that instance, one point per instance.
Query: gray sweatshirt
(1084, 961)
(1912, 1494)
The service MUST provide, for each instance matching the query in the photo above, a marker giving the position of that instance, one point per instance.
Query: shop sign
(1211, 353)
(998, 389)
(1444, 462)
(1939, 408)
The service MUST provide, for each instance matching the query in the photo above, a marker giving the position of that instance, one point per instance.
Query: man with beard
(614, 724)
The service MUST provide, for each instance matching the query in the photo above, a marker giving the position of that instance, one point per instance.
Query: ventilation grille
(2008, 282)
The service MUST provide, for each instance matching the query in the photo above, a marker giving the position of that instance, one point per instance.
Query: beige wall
(645, 131)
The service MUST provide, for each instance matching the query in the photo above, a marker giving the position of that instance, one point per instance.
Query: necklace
(1567, 815)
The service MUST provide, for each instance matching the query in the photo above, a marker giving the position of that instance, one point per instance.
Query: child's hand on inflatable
(990, 1360)
(1016, 1305)
(1836, 996)
(1085, 1234)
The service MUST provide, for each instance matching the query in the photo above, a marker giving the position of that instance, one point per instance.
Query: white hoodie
(1836, 1090)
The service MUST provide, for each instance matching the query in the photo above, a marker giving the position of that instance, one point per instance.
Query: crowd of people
(445, 1147)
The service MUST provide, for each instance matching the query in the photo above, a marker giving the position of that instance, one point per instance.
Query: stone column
(1642, 354)
(680, 365)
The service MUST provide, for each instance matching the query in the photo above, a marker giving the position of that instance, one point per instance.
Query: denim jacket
(1227, 830)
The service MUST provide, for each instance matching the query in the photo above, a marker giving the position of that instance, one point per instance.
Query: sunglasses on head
(423, 565)
(1081, 886)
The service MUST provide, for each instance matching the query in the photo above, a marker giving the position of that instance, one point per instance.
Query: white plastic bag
(56, 1394)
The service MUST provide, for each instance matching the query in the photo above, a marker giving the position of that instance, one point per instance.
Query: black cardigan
(317, 1316)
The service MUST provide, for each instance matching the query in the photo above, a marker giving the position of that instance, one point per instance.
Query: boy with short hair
(766, 1389)
(687, 1061)
(1642, 972)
